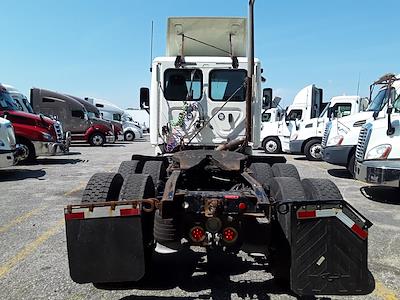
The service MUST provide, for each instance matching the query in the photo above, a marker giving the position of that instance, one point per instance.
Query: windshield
(6, 102)
(28, 105)
(227, 85)
(379, 101)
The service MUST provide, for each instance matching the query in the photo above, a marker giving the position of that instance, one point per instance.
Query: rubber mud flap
(105, 250)
(327, 257)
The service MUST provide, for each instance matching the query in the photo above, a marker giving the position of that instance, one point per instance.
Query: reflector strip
(306, 214)
(359, 231)
(231, 197)
(129, 212)
(77, 215)
(333, 212)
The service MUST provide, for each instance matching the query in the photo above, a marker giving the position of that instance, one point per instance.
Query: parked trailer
(200, 194)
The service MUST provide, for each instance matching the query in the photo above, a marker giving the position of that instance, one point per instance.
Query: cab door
(226, 103)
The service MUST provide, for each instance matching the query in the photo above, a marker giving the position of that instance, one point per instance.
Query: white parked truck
(306, 138)
(378, 148)
(8, 155)
(201, 194)
(341, 134)
(307, 104)
(140, 117)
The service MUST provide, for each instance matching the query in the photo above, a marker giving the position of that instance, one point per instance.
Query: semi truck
(378, 147)
(140, 116)
(36, 135)
(73, 116)
(306, 138)
(8, 143)
(307, 104)
(341, 134)
(128, 130)
(207, 189)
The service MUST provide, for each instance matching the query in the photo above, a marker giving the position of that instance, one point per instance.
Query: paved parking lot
(33, 258)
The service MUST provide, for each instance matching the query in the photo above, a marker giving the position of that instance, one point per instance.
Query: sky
(101, 48)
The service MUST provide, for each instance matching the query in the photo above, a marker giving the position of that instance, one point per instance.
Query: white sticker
(320, 260)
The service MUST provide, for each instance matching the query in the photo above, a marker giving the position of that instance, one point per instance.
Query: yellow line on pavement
(20, 219)
(77, 189)
(383, 292)
(29, 248)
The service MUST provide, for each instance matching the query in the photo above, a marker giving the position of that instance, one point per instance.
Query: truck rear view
(199, 194)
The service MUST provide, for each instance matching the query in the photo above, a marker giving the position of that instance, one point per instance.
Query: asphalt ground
(33, 256)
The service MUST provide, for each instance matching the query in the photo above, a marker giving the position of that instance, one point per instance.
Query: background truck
(140, 116)
(341, 134)
(36, 135)
(307, 104)
(127, 129)
(8, 155)
(73, 116)
(200, 194)
(307, 137)
(378, 148)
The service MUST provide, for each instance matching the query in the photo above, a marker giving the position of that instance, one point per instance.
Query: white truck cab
(8, 156)
(197, 97)
(20, 99)
(306, 138)
(341, 134)
(378, 148)
(307, 104)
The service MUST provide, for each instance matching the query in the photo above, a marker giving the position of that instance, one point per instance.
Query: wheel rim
(315, 151)
(97, 140)
(271, 146)
(25, 150)
(129, 136)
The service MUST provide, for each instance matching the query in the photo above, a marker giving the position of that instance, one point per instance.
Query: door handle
(230, 118)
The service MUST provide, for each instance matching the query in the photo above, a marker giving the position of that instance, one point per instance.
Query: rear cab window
(183, 84)
(227, 84)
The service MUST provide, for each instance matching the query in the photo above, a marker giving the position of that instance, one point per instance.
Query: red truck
(36, 135)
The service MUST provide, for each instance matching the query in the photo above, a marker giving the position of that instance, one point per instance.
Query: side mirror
(267, 98)
(144, 98)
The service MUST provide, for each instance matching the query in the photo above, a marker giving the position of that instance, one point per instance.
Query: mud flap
(105, 250)
(328, 248)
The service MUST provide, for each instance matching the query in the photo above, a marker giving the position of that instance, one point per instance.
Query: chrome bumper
(110, 139)
(7, 158)
(52, 148)
(385, 173)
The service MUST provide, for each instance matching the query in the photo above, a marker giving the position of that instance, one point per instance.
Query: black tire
(282, 189)
(128, 167)
(313, 150)
(129, 136)
(320, 189)
(103, 187)
(137, 186)
(157, 172)
(166, 231)
(272, 145)
(262, 172)
(28, 148)
(97, 139)
(351, 164)
(285, 170)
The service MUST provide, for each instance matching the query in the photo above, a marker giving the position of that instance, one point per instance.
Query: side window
(78, 114)
(341, 110)
(295, 114)
(181, 83)
(116, 117)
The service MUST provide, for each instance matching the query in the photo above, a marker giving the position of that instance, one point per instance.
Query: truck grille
(326, 134)
(11, 137)
(363, 142)
(59, 131)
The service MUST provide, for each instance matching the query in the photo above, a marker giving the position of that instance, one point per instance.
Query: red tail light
(197, 234)
(229, 235)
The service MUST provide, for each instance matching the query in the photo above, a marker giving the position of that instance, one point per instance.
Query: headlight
(47, 137)
(379, 152)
